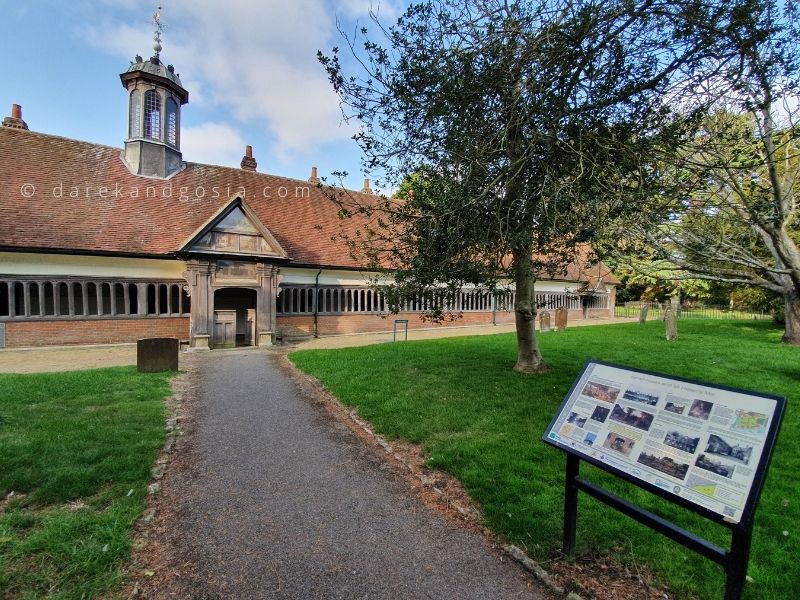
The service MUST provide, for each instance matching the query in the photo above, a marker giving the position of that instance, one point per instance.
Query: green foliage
(483, 423)
(523, 128)
(652, 281)
(754, 298)
(72, 447)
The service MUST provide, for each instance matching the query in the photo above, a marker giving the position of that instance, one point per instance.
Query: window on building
(163, 299)
(119, 299)
(135, 128)
(104, 307)
(33, 291)
(172, 122)
(133, 299)
(152, 309)
(95, 298)
(4, 296)
(186, 306)
(77, 294)
(91, 299)
(152, 115)
(48, 299)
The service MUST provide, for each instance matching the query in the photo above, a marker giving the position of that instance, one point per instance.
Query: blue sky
(250, 67)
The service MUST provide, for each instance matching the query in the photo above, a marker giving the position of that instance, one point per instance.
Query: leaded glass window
(172, 122)
(136, 115)
(152, 115)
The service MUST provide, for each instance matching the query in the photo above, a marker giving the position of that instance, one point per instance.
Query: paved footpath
(282, 502)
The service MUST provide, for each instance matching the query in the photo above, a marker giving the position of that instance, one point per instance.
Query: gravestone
(671, 324)
(154, 355)
(561, 318)
(544, 321)
(643, 314)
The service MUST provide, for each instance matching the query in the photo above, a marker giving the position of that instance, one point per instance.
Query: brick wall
(360, 323)
(105, 331)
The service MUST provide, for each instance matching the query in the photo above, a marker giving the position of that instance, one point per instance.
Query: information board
(705, 444)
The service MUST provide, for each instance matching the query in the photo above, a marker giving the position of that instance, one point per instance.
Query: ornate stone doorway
(226, 296)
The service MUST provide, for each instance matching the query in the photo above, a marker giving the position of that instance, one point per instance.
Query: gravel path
(283, 502)
(40, 360)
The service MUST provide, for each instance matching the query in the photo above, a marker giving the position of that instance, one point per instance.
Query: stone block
(544, 321)
(561, 318)
(154, 355)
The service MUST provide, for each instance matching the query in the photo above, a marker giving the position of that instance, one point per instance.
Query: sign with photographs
(705, 444)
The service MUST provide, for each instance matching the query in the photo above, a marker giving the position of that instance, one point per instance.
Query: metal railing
(655, 310)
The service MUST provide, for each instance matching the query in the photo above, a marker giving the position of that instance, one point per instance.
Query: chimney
(15, 120)
(366, 189)
(313, 179)
(248, 162)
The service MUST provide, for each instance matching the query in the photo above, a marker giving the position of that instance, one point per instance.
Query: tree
(520, 128)
(731, 214)
(737, 219)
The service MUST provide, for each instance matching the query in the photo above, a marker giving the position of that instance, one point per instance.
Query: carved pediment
(235, 230)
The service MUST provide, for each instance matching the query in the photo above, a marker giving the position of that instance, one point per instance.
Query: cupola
(155, 97)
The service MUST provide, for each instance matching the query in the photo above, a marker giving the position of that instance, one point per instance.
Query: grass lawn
(483, 423)
(75, 445)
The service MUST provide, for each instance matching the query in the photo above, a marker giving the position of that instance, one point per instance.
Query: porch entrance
(235, 312)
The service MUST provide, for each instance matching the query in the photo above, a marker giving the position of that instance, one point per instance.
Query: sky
(250, 67)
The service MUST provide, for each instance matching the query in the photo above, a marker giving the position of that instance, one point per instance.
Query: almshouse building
(103, 245)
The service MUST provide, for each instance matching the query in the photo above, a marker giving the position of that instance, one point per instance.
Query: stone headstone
(154, 355)
(643, 314)
(544, 321)
(561, 318)
(671, 324)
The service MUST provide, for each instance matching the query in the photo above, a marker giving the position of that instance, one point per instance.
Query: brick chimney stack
(366, 189)
(15, 120)
(313, 179)
(248, 162)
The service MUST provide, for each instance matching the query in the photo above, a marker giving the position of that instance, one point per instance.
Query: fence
(655, 310)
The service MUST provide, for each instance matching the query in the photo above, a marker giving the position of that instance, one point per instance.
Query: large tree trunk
(529, 357)
(791, 334)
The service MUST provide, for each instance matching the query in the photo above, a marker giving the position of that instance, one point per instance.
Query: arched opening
(234, 317)
(77, 295)
(5, 307)
(175, 299)
(133, 299)
(91, 299)
(49, 299)
(119, 299)
(152, 309)
(104, 308)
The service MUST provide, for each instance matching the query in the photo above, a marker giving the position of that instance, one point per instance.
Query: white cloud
(385, 9)
(253, 61)
(213, 144)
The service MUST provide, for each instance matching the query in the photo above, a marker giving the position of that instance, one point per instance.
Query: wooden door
(224, 329)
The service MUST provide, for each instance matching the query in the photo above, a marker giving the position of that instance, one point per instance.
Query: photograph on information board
(699, 442)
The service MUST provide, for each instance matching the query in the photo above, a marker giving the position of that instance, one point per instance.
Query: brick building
(101, 244)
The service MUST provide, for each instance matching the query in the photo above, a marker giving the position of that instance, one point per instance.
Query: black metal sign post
(735, 560)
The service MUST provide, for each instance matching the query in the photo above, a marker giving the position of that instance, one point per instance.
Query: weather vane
(159, 29)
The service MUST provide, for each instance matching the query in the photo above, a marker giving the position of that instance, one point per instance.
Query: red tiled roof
(584, 268)
(156, 225)
(44, 216)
